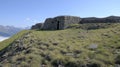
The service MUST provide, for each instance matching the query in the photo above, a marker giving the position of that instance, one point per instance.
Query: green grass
(9, 41)
(69, 47)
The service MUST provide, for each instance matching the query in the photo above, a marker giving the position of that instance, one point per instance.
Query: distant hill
(7, 31)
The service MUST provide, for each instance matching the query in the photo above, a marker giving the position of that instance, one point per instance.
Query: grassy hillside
(69, 48)
(9, 41)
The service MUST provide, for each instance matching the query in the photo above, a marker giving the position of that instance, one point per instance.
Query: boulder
(93, 46)
(37, 26)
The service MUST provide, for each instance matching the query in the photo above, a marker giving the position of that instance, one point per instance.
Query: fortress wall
(71, 20)
(49, 25)
(62, 22)
(37, 26)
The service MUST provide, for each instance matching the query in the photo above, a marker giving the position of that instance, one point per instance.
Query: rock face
(57, 23)
(37, 26)
(62, 22)
(110, 19)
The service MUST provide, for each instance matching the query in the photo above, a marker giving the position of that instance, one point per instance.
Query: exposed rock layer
(62, 22)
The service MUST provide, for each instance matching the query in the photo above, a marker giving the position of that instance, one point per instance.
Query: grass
(9, 41)
(69, 47)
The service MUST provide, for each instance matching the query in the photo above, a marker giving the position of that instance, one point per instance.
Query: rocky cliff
(71, 47)
(62, 22)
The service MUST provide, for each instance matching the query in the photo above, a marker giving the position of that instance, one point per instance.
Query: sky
(24, 13)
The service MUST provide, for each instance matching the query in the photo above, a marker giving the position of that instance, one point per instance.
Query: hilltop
(63, 22)
(72, 47)
(65, 41)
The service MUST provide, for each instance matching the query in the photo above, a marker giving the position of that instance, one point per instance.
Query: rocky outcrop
(110, 19)
(50, 24)
(63, 22)
(57, 23)
(37, 26)
(60, 22)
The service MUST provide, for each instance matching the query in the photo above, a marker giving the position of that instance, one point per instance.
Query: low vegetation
(72, 47)
(9, 41)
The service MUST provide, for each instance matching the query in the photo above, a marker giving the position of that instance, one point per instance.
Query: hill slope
(63, 48)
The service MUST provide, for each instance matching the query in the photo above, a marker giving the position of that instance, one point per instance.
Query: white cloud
(31, 20)
(27, 19)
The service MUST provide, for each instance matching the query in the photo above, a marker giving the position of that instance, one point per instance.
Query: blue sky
(23, 13)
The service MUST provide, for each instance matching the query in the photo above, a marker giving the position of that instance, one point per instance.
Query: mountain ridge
(7, 31)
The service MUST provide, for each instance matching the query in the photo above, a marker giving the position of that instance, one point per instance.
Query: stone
(110, 19)
(26, 36)
(63, 22)
(93, 46)
(77, 51)
(43, 65)
(37, 26)
(60, 66)
(117, 65)
(60, 22)
(93, 65)
(55, 43)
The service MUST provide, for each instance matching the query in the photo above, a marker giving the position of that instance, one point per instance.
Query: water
(3, 38)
